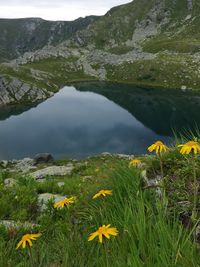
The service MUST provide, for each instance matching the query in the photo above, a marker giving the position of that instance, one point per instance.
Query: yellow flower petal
(30, 243)
(24, 244)
(106, 235)
(100, 238)
(92, 236)
(113, 231)
(19, 244)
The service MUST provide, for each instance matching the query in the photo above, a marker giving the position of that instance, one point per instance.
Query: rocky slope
(144, 42)
(22, 35)
(14, 90)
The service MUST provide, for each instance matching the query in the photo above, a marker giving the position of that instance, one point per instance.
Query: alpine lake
(89, 118)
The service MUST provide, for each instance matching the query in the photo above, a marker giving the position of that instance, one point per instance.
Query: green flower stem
(31, 256)
(164, 198)
(161, 165)
(196, 187)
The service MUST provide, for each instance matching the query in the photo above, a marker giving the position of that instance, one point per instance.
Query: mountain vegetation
(106, 210)
(24, 35)
(145, 42)
(152, 216)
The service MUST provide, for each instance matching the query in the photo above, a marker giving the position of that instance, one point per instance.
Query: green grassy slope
(182, 25)
(119, 22)
(181, 33)
(150, 232)
(53, 73)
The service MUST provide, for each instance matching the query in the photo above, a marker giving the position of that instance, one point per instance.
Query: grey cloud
(56, 9)
(61, 3)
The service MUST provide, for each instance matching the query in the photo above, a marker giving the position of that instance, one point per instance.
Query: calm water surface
(91, 118)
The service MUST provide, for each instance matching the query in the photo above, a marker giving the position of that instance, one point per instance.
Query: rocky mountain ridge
(153, 43)
(29, 34)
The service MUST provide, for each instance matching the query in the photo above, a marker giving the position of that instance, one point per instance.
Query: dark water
(90, 118)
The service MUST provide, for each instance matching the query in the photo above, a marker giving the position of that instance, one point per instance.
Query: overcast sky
(56, 9)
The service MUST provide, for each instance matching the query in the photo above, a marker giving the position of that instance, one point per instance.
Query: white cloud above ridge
(56, 10)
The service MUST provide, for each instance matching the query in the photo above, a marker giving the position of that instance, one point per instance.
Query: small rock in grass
(9, 182)
(10, 224)
(24, 165)
(87, 178)
(53, 171)
(183, 88)
(106, 154)
(4, 163)
(124, 156)
(61, 184)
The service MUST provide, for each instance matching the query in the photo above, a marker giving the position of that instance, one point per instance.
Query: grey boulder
(42, 158)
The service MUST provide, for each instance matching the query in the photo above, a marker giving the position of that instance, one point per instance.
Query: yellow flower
(158, 147)
(191, 146)
(27, 238)
(103, 231)
(102, 193)
(65, 202)
(135, 162)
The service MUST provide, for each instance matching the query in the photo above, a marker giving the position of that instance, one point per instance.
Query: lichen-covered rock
(25, 165)
(13, 90)
(53, 171)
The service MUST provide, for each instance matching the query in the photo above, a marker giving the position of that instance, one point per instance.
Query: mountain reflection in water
(90, 118)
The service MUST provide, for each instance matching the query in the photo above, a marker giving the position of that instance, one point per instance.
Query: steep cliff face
(24, 35)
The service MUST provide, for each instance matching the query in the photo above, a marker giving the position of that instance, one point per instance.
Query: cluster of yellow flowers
(159, 147)
(187, 148)
(106, 230)
(192, 147)
(103, 231)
